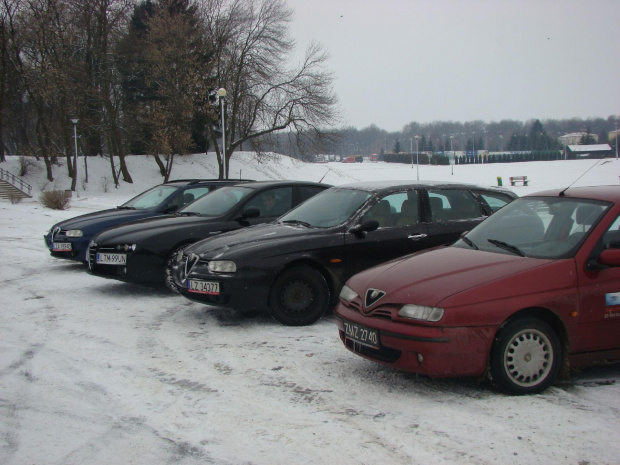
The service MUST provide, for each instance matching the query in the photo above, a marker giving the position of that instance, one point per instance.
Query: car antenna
(571, 184)
(328, 170)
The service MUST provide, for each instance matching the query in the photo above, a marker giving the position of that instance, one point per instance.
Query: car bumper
(245, 291)
(78, 247)
(427, 350)
(138, 269)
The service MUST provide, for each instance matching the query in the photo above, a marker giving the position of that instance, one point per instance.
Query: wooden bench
(515, 179)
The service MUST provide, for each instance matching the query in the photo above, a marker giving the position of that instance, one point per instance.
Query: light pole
(417, 158)
(75, 166)
(221, 93)
(452, 159)
(411, 152)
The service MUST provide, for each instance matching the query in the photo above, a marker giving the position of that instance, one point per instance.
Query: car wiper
(469, 242)
(507, 246)
(125, 208)
(187, 213)
(303, 223)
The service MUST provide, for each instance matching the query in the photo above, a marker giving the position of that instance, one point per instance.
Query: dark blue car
(69, 239)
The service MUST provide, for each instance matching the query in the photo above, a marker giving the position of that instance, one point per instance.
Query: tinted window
(328, 208)
(273, 202)
(453, 204)
(495, 200)
(151, 198)
(305, 192)
(219, 201)
(398, 209)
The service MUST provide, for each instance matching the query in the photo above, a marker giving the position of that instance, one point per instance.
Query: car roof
(388, 185)
(186, 182)
(261, 184)
(606, 193)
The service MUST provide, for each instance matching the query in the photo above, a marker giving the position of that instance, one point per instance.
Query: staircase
(13, 188)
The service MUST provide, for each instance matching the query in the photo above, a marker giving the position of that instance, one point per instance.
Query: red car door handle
(416, 237)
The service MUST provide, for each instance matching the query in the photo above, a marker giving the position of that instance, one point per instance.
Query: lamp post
(452, 159)
(75, 166)
(221, 93)
(417, 158)
(411, 152)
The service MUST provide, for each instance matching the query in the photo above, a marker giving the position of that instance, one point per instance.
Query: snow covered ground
(94, 371)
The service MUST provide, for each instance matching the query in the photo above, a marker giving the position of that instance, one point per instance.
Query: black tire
(526, 357)
(299, 296)
(168, 268)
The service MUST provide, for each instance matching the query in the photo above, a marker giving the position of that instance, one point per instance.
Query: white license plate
(61, 247)
(112, 258)
(361, 334)
(203, 287)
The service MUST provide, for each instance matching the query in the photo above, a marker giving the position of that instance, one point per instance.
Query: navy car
(142, 251)
(295, 267)
(69, 239)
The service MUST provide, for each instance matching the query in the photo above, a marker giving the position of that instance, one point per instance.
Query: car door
(400, 232)
(450, 213)
(599, 316)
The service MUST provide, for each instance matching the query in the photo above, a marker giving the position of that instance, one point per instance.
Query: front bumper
(244, 290)
(78, 251)
(428, 350)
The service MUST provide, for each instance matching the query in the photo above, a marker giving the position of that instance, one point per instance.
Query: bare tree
(264, 95)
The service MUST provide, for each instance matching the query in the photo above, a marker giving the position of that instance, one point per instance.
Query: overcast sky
(398, 61)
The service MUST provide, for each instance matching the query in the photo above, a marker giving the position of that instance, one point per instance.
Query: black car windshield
(328, 208)
(151, 198)
(537, 227)
(217, 202)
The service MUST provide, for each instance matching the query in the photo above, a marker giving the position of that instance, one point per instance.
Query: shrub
(56, 200)
(26, 166)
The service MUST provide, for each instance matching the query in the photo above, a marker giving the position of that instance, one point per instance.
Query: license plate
(61, 247)
(111, 258)
(203, 287)
(361, 334)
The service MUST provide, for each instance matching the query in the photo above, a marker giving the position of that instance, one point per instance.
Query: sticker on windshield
(612, 305)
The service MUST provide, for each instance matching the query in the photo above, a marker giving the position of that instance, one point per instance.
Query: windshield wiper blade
(187, 213)
(507, 246)
(469, 242)
(125, 208)
(303, 223)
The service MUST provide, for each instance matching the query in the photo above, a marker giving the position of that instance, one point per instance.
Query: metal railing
(10, 177)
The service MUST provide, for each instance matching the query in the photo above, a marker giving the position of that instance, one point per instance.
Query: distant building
(590, 151)
(574, 138)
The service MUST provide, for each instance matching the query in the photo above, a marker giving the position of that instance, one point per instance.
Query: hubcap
(297, 297)
(528, 358)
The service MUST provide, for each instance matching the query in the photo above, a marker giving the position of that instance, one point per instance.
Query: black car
(142, 251)
(296, 266)
(70, 238)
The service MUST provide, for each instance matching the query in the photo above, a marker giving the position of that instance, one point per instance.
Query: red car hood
(457, 276)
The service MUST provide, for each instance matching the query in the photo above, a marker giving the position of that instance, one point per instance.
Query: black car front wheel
(299, 296)
(526, 357)
(169, 268)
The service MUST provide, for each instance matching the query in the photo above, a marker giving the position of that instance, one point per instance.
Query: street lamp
(417, 158)
(75, 166)
(411, 152)
(452, 158)
(221, 93)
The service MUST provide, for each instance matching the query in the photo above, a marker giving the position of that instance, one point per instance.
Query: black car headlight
(74, 233)
(222, 266)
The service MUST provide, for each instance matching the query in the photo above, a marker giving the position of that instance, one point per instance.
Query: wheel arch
(553, 320)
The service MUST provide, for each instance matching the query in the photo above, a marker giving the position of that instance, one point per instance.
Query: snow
(94, 371)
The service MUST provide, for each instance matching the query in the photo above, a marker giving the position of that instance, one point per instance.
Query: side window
(305, 192)
(274, 202)
(453, 204)
(611, 238)
(388, 210)
(495, 200)
(194, 193)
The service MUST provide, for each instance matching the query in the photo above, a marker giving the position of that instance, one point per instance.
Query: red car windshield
(543, 227)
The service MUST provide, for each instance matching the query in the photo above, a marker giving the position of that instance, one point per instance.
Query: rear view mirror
(610, 257)
(365, 227)
(251, 212)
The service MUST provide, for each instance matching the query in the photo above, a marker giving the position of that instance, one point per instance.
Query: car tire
(168, 269)
(526, 357)
(299, 296)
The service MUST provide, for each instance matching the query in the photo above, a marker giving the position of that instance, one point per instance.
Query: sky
(95, 371)
(398, 61)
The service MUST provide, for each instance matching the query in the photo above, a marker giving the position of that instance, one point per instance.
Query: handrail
(10, 177)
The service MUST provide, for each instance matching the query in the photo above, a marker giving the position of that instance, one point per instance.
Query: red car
(529, 292)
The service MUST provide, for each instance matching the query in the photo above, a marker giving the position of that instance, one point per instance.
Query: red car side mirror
(610, 257)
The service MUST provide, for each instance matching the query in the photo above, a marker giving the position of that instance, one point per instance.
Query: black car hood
(105, 218)
(248, 238)
(137, 230)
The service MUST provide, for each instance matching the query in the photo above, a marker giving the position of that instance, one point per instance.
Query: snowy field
(94, 371)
